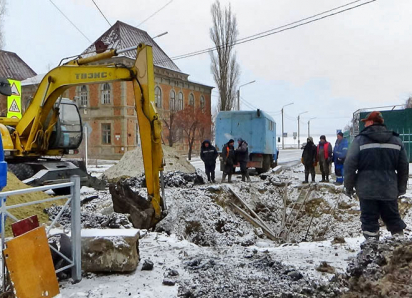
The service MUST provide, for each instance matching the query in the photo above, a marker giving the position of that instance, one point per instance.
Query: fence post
(76, 229)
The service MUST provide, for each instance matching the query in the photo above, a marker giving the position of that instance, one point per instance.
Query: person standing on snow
(339, 154)
(208, 154)
(242, 156)
(309, 159)
(324, 152)
(228, 155)
(377, 166)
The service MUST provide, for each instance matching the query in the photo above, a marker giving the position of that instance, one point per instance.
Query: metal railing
(73, 199)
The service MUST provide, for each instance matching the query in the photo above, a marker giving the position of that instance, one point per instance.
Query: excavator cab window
(68, 133)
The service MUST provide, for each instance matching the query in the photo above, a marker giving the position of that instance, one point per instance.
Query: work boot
(323, 178)
(247, 176)
(223, 178)
(313, 178)
(327, 178)
(229, 178)
(371, 236)
(306, 178)
(243, 177)
(397, 235)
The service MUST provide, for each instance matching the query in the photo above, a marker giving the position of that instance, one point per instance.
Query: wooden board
(25, 225)
(30, 264)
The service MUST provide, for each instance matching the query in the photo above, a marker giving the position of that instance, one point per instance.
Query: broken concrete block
(110, 250)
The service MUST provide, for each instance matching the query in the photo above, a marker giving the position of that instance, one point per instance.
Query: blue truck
(257, 128)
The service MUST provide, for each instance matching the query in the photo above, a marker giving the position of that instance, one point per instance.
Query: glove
(349, 192)
(301, 160)
(315, 164)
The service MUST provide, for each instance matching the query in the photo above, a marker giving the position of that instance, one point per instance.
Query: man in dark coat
(228, 155)
(208, 154)
(242, 156)
(378, 167)
(324, 157)
(309, 159)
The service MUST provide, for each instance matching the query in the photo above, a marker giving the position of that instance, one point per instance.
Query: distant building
(13, 67)
(108, 108)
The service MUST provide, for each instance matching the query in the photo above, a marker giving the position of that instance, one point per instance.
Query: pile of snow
(131, 164)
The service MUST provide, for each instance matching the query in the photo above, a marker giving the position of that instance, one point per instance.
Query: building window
(180, 101)
(105, 94)
(172, 101)
(158, 97)
(83, 94)
(191, 100)
(202, 103)
(106, 133)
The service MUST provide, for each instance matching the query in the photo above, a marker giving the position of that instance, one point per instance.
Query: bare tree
(2, 15)
(224, 66)
(169, 120)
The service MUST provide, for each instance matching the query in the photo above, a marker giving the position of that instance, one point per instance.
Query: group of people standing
(325, 155)
(230, 156)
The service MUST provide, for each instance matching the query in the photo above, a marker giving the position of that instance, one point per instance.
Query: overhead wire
(67, 18)
(101, 13)
(277, 30)
(156, 12)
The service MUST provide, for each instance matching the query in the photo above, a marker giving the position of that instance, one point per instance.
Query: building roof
(13, 67)
(122, 35)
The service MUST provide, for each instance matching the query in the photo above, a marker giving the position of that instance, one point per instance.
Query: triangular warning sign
(14, 90)
(14, 107)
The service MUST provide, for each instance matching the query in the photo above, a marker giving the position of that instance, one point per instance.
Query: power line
(69, 20)
(155, 12)
(250, 104)
(277, 30)
(102, 13)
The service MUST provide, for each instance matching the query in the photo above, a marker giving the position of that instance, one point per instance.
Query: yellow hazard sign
(14, 100)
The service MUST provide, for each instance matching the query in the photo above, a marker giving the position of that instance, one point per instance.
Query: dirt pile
(381, 269)
(13, 183)
(131, 164)
(256, 275)
(201, 216)
(97, 213)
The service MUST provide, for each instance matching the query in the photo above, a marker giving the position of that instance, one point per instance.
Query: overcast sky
(329, 68)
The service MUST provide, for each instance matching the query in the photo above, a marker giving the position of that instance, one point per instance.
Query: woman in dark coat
(309, 156)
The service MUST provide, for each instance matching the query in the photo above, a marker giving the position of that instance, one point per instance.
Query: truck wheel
(21, 170)
(265, 164)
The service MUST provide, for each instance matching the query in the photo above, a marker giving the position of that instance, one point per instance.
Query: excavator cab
(68, 133)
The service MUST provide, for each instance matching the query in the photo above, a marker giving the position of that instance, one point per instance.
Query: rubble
(147, 265)
(381, 269)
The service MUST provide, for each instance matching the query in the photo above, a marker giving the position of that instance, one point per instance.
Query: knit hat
(374, 116)
(340, 134)
(231, 141)
(322, 137)
(310, 139)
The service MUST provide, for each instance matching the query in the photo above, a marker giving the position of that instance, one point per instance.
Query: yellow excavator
(51, 126)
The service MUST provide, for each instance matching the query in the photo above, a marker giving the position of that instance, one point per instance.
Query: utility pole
(238, 93)
(283, 139)
(309, 126)
(299, 128)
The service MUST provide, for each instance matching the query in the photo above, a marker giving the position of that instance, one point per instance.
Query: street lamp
(299, 128)
(238, 94)
(283, 141)
(161, 34)
(309, 126)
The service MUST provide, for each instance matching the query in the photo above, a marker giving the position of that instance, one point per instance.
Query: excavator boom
(32, 133)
